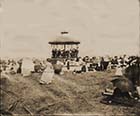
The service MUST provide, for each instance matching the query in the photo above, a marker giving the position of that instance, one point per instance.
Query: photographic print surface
(70, 57)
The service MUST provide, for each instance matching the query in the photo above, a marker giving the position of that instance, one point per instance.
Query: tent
(27, 66)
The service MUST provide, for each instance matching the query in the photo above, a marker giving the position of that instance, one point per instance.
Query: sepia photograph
(69, 57)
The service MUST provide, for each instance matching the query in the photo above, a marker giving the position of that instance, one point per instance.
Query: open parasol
(124, 84)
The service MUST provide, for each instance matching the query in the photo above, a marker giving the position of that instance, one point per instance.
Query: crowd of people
(74, 64)
(128, 66)
(26, 66)
(103, 63)
(58, 53)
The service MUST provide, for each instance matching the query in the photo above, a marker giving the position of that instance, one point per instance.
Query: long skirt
(118, 72)
(47, 77)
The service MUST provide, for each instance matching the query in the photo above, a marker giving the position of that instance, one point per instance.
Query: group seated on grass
(77, 65)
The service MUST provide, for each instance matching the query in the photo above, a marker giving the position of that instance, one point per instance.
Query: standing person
(68, 65)
(102, 64)
(53, 53)
(59, 53)
(119, 70)
(84, 68)
(48, 74)
(19, 66)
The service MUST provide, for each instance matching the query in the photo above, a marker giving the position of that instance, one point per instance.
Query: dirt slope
(67, 94)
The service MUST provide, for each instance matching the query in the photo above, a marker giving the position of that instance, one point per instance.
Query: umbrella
(124, 84)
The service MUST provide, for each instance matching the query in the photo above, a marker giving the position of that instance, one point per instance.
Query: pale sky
(104, 27)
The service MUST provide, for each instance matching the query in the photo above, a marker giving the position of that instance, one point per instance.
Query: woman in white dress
(48, 74)
(119, 70)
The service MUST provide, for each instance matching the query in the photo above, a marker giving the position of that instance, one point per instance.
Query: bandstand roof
(64, 40)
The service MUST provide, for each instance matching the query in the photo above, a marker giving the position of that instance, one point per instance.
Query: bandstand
(64, 47)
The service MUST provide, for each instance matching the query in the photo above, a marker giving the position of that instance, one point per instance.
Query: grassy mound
(67, 94)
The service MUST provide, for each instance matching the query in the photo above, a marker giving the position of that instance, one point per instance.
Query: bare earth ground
(67, 94)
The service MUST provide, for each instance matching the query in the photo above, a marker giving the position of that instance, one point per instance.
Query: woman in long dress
(118, 71)
(48, 74)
